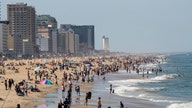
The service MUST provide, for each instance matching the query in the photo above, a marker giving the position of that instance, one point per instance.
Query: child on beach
(99, 102)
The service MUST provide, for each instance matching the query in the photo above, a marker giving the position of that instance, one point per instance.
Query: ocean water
(172, 86)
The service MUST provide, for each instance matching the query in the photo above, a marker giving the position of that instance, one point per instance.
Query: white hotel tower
(105, 43)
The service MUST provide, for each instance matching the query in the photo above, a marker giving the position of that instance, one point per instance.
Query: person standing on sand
(77, 78)
(18, 105)
(99, 102)
(66, 103)
(26, 89)
(63, 90)
(5, 84)
(77, 89)
(10, 82)
(121, 104)
(28, 75)
(110, 88)
(60, 104)
(86, 99)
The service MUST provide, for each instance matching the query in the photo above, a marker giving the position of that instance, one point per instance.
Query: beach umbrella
(46, 82)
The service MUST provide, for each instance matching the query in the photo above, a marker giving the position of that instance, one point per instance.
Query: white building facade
(105, 43)
(43, 43)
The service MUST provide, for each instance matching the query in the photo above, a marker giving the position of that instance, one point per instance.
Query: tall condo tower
(21, 29)
(105, 43)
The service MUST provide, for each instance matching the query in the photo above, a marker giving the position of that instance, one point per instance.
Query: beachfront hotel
(21, 29)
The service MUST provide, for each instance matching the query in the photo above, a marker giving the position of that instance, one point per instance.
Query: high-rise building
(61, 40)
(86, 36)
(21, 28)
(3, 38)
(42, 43)
(54, 40)
(70, 42)
(47, 28)
(67, 42)
(45, 34)
(76, 44)
(105, 43)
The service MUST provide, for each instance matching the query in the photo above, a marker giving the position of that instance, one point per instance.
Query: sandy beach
(10, 99)
(18, 71)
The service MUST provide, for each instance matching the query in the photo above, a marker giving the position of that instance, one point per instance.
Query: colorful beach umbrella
(46, 82)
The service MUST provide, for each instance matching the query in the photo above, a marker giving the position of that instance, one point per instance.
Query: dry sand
(9, 98)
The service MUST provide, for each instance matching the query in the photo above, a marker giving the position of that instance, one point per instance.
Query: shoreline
(107, 99)
(113, 99)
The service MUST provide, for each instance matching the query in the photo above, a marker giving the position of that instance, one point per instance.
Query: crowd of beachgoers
(25, 80)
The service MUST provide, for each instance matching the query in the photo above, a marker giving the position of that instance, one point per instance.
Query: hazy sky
(131, 25)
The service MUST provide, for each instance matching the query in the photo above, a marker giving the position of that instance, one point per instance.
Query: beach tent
(46, 82)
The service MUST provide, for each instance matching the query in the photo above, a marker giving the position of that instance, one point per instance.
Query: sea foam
(181, 105)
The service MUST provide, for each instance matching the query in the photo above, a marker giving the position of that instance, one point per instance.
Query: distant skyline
(135, 26)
